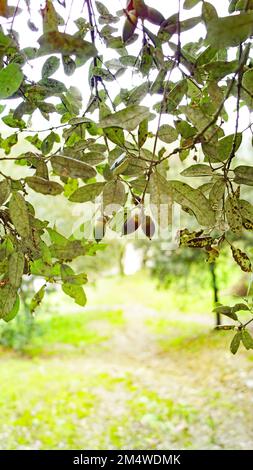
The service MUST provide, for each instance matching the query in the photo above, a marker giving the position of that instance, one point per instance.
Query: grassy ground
(138, 368)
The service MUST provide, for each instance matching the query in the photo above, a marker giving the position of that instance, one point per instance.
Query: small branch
(153, 161)
(248, 322)
(14, 15)
(44, 130)
(178, 33)
(69, 15)
(233, 149)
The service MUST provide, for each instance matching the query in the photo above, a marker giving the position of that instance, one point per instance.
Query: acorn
(131, 224)
(100, 228)
(129, 25)
(148, 226)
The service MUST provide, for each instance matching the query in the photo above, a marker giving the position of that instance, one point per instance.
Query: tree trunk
(215, 290)
(121, 253)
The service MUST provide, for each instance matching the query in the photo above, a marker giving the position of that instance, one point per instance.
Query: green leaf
(247, 81)
(128, 118)
(244, 175)
(193, 199)
(9, 142)
(222, 150)
(69, 276)
(48, 143)
(87, 193)
(209, 12)
(116, 135)
(218, 70)
(242, 259)
(19, 215)
(13, 312)
(188, 4)
(160, 199)
(16, 268)
(102, 10)
(57, 237)
(225, 145)
(233, 214)
(247, 339)
(142, 133)
(93, 158)
(8, 298)
(69, 65)
(5, 189)
(198, 118)
(37, 298)
(173, 98)
(40, 268)
(230, 30)
(158, 85)
(66, 44)
(68, 252)
(76, 292)
(199, 169)
(50, 17)
(52, 87)
(206, 56)
(242, 4)
(235, 343)
(34, 140)
(43, 186)
(138, 93)
(66, 166)
(113, 195)
(11, 121)
(167, 134)
(185, 129)
(217, 192)
(11, 78)
(239, 307)
(50, 66)
(226, 310)
(199, 242)
(246, 210)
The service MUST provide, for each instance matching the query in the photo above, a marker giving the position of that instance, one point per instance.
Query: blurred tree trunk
(121, 260)
(215, 289)
(145, 256)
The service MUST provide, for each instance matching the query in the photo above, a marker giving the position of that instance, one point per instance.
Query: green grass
(80, 329)
(67, 333)
(42, 404)
(103, 378)
(147, 292)
(49, 406)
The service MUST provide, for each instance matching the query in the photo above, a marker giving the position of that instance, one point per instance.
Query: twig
(69, 14)
(14, 15)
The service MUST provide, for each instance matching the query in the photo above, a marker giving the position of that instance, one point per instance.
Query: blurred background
(140, 367)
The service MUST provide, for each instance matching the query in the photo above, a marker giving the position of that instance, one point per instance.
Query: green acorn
(100, 228)
(131, 224)
(148, 226)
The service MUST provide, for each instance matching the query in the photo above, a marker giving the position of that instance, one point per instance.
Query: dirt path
(206, 379)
